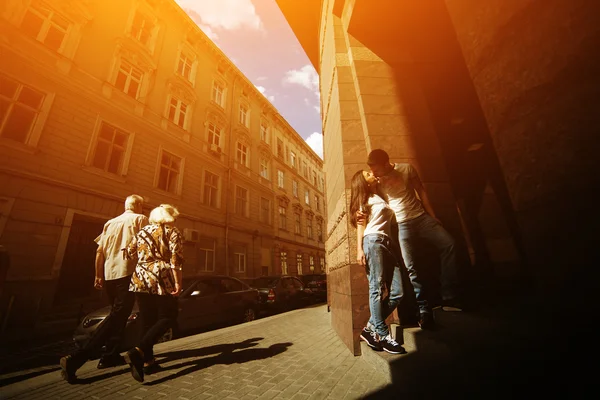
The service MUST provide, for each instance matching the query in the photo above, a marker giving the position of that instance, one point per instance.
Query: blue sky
(256, 37)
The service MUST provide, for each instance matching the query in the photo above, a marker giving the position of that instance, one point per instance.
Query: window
(110, 149)
(142, 29)
(241, 154)
(185, 66)
(309, 228)
(314, 178)
(279, 148)
(214, 134)
(177, 112)
(206, 255)
(239, 262)
(280, 181)
(233, 285)
(129, 79)
(244, 115)
(322, 263)
(241, 201)
(283, 258)
(282, 217)
(211, 189)
(305, 169)
(319, 231)
(317, 203)
(299, 263)
(170, 169)
(322, 184)
(218, 94)
(311, 263)
(293, 159)
(307, 197)
(264, 168)
(265, 210)
(264, 133)
(46, 26)
(295, 188)
(297, 227)
(20, 108)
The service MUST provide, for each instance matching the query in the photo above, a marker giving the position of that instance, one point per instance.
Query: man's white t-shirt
(400, 193)
(381, 217)
(116, 235)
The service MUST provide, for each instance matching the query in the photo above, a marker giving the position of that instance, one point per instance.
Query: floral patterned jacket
(159, 249)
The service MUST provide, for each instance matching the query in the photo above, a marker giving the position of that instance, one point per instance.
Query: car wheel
(168, 335)
(249, 314)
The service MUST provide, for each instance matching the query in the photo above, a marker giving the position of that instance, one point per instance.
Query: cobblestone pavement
(295, 355)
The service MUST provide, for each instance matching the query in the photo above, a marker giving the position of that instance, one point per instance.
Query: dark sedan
(205, 302)
(280, 292)
(317, 283)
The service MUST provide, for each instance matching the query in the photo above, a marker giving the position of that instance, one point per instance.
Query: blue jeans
(427, 229)
(383, 268)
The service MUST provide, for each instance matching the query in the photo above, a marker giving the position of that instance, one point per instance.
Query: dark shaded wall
(535, 65)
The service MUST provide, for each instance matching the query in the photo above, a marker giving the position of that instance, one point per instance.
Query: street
(290, 355)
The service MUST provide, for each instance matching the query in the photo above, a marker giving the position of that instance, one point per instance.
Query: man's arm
(99, 279)
(420, 189)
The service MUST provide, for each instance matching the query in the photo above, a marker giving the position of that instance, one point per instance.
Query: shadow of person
(226, 358)
(178, 355)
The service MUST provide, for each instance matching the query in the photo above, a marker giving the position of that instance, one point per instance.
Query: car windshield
(263, 282)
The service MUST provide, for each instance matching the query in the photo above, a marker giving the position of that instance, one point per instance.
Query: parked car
(317, 283)
(205, 301)
(280, 292)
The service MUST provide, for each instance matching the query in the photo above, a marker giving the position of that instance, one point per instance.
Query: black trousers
(109, 334)
(158, 314)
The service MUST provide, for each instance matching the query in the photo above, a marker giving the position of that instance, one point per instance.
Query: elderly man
(113, 273)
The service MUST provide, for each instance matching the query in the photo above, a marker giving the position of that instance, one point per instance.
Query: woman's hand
(177, 290)
(360, 257)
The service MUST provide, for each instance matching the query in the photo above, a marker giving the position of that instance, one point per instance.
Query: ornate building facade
(102, 99)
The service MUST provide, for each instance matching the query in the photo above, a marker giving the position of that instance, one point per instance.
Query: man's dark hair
(378, 157)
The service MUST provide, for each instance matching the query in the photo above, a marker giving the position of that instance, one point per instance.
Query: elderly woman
(156, 283)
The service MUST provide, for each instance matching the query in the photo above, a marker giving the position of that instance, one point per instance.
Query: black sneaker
(109, 362)
(371, 338)
(135, 359)
(389, 345)
(426, 321)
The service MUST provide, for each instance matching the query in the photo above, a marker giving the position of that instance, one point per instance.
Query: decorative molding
(283, 199)
(181, 91)
(136, 53)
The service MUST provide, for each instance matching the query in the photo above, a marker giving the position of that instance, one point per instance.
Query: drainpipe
(229, 161)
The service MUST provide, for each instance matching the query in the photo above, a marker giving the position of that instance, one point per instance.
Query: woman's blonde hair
(163, 214)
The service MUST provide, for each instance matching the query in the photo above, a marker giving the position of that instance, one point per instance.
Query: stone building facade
(493, 102)
(104, 98)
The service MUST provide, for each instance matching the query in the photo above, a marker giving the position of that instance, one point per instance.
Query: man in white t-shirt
(416, 219)
(113, 274)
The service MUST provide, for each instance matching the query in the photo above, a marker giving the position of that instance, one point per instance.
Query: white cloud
(223, 14)
(315, 141)
(263, 90)
(318, 109)
(305, 76)
(261, 78)
(212, 35)
(306, 101)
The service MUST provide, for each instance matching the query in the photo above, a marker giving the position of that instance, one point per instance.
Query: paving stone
(316, 365)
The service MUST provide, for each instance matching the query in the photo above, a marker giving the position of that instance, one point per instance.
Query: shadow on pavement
(226, 357)
(505, 351)
(226, 354)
